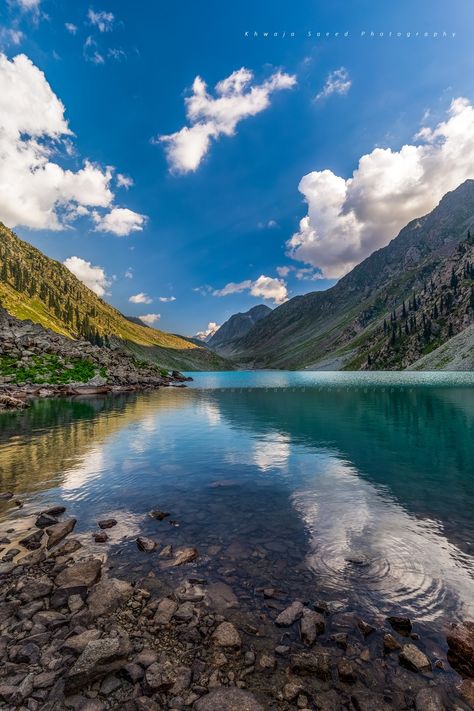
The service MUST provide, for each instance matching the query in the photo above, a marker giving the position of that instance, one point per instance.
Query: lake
(353, 488)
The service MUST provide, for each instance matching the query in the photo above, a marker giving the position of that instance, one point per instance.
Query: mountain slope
(236, 327)
(337, 325)
(35, 287)
(455, 354)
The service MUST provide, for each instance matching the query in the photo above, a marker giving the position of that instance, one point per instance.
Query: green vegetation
(48, 369)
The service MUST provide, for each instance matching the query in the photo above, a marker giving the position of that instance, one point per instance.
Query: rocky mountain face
(38, 361)
(343, 326)
(237, 327)
(35, 287)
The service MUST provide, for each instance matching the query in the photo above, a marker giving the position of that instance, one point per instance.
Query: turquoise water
(357, 488)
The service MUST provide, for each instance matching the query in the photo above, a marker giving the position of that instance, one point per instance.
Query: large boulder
(59, 531)
(99, 658)
(107, 595)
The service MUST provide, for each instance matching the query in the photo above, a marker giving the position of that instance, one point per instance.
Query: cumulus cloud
(337, 82)
(104, 21)
(93, 277)
(71, 27)
(167, 299)
(150, 319)
(266, 287)
(27, 5)
(236, 98)
(348, 219)
(120, 221)
(140, 298)
(208, 332)
(35, 191)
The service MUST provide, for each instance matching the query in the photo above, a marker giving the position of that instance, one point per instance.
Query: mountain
(236, 327)
(455, 354)
(35, 287)
(343, 327)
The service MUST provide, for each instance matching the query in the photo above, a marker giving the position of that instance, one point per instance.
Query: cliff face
(237, 327)
(339, 325)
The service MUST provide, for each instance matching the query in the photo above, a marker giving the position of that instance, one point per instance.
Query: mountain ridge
(237, 326)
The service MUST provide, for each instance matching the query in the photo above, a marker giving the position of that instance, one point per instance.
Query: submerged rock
(402, 625)
(44, 520)
(290, 614)
(181, 557)
(146, 544)
(414, 659)
(107, 523)
(159, 515)
(226, 635)
(429, 699)
(101, 537)
(311, 624)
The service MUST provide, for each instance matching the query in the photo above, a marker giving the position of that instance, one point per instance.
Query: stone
(461, 648)
(144, 703)
(44, 680)
(78, 642)
(267, 662)
(181, 557)
(402, 625)
(226, 635)
(414, 659)
(346, 671)
(108, 595)
(183, 680)
(146, 657)
(6, 495)
(110, 684)
(166, 552)
(80, 575)
(146, 544)
(59, 531)
(390, 644)
(33, 541)
(365, 628)
(165, 611)
(132, 672)
(185, 612)
(36, 589)
(101, 537)
(220, 597)
(99, 658)
(429, 699)
(311, 663)
(161, 676)
(466, 689)
(44, 520)
(311, 624)
(290, 614)
(107, 523)
(230, 699)
(24, 653)
(292, 690)
(54, 511)
(159, 515)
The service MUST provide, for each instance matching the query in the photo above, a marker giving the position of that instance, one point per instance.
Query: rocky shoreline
(74, 636)
(38, 363)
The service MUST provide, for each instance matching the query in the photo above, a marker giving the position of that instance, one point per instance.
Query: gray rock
(414, 659)
(36, 589)
(132, 672)
(226, 635)
(429, 699)
(317, 664)
(146, 657)
(78, 642)
(161, 676)
(80, 575)
(59, 531)
(146, 544)
(220, 597)
(312, 624)
(107, 523)
(107, 595)
(99, 658)
(44, 520)
(290, 614)
(33, 541)
(165, 611)
(228, 699)
(185, 612)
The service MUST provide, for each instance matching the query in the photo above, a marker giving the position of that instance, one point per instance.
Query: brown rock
(461, 648)
(311, 624)
(181, 557)
(107, 523)
(159, 515)
(414, 659)
(99, 658)
(59, 531)
(402, 625)
(390, 644)
(466, 689)
(290, 614)
(429, 699)
(101, 537)
(80, 575)
(165, 611)
(146, 544)
(78, 642)
(228, 699)
(226, 635)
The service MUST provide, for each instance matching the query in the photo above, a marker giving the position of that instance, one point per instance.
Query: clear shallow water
(353, 488)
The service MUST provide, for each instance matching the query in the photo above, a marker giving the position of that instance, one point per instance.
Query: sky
(190, 160)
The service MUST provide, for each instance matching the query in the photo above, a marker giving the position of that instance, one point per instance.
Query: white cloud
(120, 221)
(117, 54)
(124, 181)
(129, 273)
(93, 277)
(150, 319)
(167, 299)
(35, 191)
(283, 271)
(266, 287)
(337, 82)
(348, 219)
(28, 5)
(104, 21)
(71, 27)
(211, 116)
(10, 36)
(91, 52)
(205, 335)
(140, 298)
(270, 225)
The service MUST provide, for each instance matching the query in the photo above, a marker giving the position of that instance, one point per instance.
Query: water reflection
(360, 494)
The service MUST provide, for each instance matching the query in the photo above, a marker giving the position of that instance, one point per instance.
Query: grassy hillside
(35, 287)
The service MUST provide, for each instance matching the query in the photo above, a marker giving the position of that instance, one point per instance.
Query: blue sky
(214, 237)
